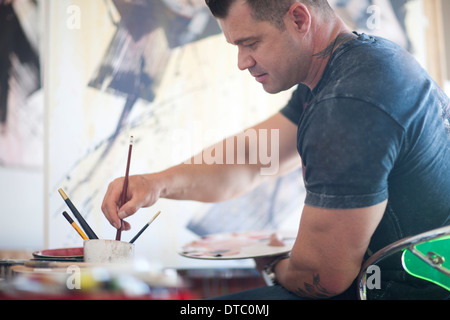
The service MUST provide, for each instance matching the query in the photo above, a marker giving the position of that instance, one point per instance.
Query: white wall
(21, 213)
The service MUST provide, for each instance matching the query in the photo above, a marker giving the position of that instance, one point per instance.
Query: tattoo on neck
(343, 37)
(314, 290)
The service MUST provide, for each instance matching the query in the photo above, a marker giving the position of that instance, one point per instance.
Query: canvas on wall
(21, 96)
(162, 72)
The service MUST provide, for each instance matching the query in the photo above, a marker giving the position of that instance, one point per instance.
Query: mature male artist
(372, 131)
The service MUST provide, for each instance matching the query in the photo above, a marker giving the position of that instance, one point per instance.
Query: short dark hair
(264, 10)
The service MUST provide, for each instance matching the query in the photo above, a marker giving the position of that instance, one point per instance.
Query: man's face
(273, 56)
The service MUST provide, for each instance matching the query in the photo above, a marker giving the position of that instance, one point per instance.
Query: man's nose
(245, 60)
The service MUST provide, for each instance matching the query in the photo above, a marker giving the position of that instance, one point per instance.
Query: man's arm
(211, 182)
(329, 250)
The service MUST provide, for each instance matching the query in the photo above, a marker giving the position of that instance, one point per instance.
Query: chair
(423, 257)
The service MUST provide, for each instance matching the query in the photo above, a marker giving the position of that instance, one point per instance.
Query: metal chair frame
(410, 244)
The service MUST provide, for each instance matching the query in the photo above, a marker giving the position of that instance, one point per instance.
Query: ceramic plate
(63, 254)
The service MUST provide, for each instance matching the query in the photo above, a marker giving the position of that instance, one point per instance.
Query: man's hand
(261, 263)
(143, 191)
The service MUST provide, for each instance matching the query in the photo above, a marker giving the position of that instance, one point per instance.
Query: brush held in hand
(125, 187)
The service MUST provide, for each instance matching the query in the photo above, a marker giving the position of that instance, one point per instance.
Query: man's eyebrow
(242, 40)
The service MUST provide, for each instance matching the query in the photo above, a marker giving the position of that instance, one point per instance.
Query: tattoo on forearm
(314, 290)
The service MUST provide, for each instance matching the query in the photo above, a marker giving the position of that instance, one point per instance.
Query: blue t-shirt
(376, 127)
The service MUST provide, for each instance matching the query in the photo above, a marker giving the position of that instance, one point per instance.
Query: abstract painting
(21, 108)
(162, 72)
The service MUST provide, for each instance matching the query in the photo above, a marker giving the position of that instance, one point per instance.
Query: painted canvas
(21, 97)
(162, 72)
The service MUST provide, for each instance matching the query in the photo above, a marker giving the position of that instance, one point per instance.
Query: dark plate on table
(63, 254)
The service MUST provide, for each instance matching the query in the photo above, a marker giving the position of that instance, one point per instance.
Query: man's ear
(299, 17)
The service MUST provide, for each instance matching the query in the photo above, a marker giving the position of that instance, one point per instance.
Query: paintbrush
(75, 226)
(91, 234)
(125, 187)
(145, 227)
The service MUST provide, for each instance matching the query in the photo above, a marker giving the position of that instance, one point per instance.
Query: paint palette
(240, 245)
(64, 254)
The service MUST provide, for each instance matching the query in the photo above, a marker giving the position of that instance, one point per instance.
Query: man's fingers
(137, 197)
(125, 226)
(110, 204)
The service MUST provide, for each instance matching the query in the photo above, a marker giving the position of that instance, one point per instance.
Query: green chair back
(425, 256)
(429, 261)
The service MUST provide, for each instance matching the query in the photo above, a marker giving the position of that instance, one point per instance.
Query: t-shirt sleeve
(348, 149)
(294, 108)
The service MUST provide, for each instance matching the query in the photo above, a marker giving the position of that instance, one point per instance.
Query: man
(372, 132)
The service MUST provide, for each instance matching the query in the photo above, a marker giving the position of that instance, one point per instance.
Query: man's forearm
(208, 182)
(221, 172)
(230, 167)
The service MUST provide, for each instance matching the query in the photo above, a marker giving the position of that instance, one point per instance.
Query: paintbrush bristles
(145, 227)
(154, 217)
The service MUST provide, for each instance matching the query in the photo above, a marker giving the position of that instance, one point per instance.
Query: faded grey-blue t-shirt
(375, 128)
